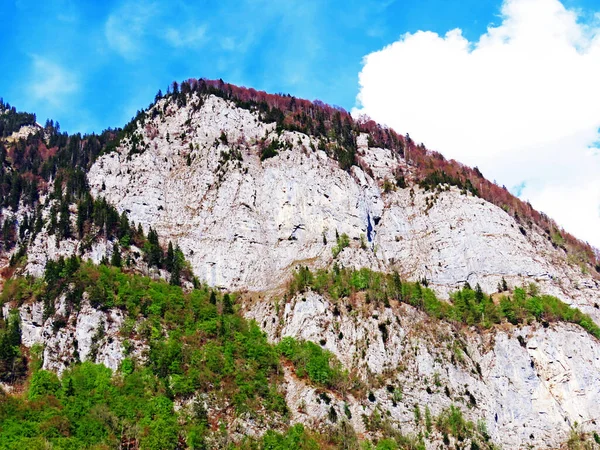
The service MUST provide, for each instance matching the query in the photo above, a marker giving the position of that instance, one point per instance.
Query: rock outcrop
(198, 176)
(529, 385)
(69, 335)
(243, 223)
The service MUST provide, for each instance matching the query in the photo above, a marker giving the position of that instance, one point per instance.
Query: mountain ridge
(305, 213)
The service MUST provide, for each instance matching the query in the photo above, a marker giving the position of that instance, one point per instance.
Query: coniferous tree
(7, 233)
(177, 265)
(124, 228)
(71, 265)
(153, 250)
(478, 293)
(115, 259)
(170, 258)
(227, 304)
(64, 221)
(81, 218)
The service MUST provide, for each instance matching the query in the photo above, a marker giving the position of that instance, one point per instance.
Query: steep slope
(244, 223)
(528, 385)
(254, 191)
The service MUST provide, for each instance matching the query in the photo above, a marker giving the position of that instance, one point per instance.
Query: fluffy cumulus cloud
(522, 103)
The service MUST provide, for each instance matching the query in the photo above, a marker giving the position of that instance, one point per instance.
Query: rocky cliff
(244, 223)
(246, 220)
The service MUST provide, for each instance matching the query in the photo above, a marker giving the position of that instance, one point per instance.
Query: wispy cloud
(51, 82)
(521, 102)
(194, 36)
(126, 28)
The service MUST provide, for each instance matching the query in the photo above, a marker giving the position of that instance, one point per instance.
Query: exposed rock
(70, 335)
(196, 177)
(539, 390)
(246, 224)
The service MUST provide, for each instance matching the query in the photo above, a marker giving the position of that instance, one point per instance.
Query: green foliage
(153, 250)
(434, 179)
(468, 306)
(115, 259)
(295, 438)
(452, 423)
(12, 363)
(90, 407)
(193, 349)
(270, 150)
(388, 186)
(557, 239)
(43, 383)
(343, 241)
(311, 361)
(197, 346)
(11, 120)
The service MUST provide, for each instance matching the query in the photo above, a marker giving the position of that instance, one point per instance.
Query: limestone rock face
(528, 385)
(67, 336)
(243, 223)
(195, 175)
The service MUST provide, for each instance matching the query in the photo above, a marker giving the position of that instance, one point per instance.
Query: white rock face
(68, 335)
(529, 385)
(197, 178)
(240, 223)
(246, 224)
(46, 247)
(24, 132)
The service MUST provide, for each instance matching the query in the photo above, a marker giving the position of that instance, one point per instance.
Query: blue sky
(91, 65)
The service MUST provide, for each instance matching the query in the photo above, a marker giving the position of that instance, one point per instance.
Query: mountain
(273, 272)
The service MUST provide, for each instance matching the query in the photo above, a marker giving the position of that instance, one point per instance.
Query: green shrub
(311, 361)
(43, 383)
(468, 306)
(343, 241)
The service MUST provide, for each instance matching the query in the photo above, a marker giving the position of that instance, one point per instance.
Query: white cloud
(522, 103)
(51, 82)
(126, 27)
(132, 27)
(192, 37)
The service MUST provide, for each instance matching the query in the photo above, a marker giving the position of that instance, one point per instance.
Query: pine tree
(71, 265)
(124, 228)
(153, 249)
(169, 260)
(64, 222)
(478, 293)
(70, 389)
(115, 259)
(177, 265)
(81, 218)
(213, 298)
(227, 304)
(7, 233)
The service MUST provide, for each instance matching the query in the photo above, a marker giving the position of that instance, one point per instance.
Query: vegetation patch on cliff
(468, 306)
